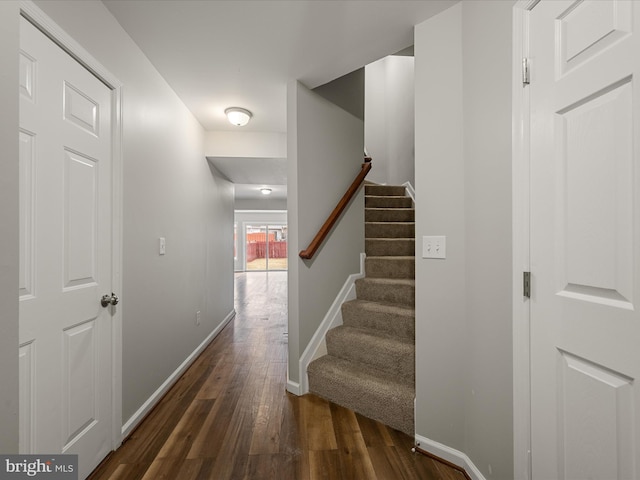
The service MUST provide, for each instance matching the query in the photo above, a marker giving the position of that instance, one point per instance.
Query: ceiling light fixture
(265, 191)
(238, 116)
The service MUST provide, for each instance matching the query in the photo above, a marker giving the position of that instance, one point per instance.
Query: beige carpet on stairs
(370, 365)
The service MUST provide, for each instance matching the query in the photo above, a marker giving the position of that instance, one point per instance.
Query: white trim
(116, 270)
(293, 387)
(36, 16)
(520, 219)
(333, 318)
(411, 192)
(450, 455)
(151, 402)
(260, 211)
(267, 224)
(73, 48)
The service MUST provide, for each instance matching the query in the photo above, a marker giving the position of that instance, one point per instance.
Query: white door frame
(243, 235)
(244, 239)
(521, 233)
(36, 16)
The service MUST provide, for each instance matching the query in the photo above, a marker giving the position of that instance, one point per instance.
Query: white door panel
(65, 255)
(585, 328)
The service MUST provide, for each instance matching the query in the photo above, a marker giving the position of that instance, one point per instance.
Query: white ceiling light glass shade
(238, 116)
(265, 191)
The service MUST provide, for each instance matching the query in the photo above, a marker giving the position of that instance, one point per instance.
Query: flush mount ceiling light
(238, 116)
(265, 191)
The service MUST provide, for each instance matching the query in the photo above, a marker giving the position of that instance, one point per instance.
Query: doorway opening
(260, 241)
(265, 247)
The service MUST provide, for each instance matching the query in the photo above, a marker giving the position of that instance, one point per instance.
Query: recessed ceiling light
(265, 191)
(238, 116)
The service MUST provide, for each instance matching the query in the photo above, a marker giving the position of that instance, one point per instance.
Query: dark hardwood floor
(230, 417)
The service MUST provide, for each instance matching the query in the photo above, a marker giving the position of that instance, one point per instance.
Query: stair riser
(389, 230)
(389, 247)
(389, 215)
(390, 267)
(401, 294)
(349, 391)
(381, 190)
(387, 323)
(394, 357)
(387, 202)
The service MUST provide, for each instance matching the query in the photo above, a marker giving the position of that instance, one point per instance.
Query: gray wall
(389, 119)
(170, 191)
(325, 145)
(347, 92)
(260, 204)
(463, 185)
(9, 253)
(487, 43)
(441, 325)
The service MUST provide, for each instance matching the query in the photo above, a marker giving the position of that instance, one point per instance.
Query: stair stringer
(317, 346)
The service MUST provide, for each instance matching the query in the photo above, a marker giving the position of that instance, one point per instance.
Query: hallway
(230, 417)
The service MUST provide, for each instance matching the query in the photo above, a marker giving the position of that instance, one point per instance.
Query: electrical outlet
(434, 246)
(198, 317)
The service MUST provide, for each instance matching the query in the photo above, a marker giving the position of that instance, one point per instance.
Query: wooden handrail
(335, 214)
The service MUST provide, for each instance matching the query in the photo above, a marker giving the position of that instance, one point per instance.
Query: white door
(65, 254)
(585, 240)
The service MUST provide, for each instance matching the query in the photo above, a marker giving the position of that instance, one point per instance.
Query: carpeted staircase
(370, 365)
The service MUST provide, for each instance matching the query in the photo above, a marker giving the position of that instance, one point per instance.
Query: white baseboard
(151, 402)
(450, 455)
(333, 318)
(293, 387)
(410, 190)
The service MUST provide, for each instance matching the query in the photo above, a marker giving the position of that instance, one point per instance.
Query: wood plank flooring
(230, 417)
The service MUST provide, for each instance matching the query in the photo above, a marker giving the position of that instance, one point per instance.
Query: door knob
(109, 300)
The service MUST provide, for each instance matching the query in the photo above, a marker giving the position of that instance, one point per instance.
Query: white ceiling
(250, 174)
(216, 54)
(252, 192)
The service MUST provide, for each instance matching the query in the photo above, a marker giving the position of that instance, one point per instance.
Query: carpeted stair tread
(400, 291)
(371, 393)
(389, 230)
(390, 266)
(386, 353)
(389, 214)
(385, 190)
(387, 318)
(385, 247)
(374, 201)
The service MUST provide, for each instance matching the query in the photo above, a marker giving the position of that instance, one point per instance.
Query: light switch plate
(162, 246)
(434, 246)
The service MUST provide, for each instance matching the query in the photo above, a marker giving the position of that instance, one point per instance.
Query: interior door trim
(521, 237)
(44, 23)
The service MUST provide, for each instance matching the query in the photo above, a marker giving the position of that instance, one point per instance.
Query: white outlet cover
(434, 246)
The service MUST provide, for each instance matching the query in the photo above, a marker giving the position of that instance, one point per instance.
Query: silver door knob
(109, 300)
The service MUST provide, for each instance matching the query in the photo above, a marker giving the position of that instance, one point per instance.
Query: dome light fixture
(238, 116)
(265, 191)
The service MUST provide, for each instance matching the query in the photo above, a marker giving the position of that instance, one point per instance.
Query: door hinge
(526, 284)
(525, 71)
